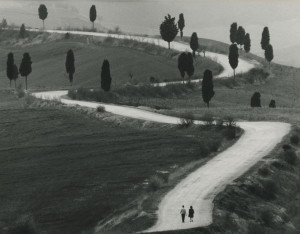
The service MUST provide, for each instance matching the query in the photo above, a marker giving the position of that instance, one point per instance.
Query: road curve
(243, 66)
(200, 187)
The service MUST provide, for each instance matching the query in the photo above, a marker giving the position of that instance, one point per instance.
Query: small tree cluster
(12, 70)
(194, 43)
(93, 15)
(25, 67)
(255, 100)
(168, 29)
(105, 76)
(186, 65)
(181, 24)
(233, 57)
(70, 65)
(43, 14)
(22, 31)
(266, 46)
(3, 24)
(239, 36)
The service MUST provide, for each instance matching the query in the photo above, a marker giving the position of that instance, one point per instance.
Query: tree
(22, 31)
(269, 53)
(181, 24)
(247, 43)
(105, 76)
(93, 15)
(70, 65)
(272, 104)
(233, 32)
(233, 57)
(10, 67)
(265, 38)
(168, 29)
(186, 65)
(16, 74)
(194, 44)
(207, 87)
(25, 67)
(3, 24)
(43, 13)
(240, 36)
(255, 100)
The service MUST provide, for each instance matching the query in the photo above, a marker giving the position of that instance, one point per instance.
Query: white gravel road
(200, 187)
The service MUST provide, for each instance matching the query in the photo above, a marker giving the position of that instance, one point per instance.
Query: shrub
(286, 147)
(25, 225)
(208, 119)
(100, 109)
(255, 100)
(229, 121)
(294, 139)
(187, 120)
(263, 171)
(155, 183)
(214, 145)
(290, 157)
(272, 104)
(20, 91)
(269, 189)
(67, 36)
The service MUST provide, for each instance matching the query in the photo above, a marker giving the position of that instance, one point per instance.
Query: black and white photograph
(150, 116)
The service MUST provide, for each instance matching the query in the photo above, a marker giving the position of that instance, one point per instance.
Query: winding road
(200, 187)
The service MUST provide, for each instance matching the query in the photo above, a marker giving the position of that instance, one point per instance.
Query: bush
(214, 145)
(290, 157)
(155, 183)
(67, 36)
(272, 104)
(286, 147)
(187, 120)
(25, 225)
(269, 189)
(20, 91)
(229, 121)
(204, 149)
(255, 100)
(229, 133)
(294, 139)
(100, 109)
(263, 171)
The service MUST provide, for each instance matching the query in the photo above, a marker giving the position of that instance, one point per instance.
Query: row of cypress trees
(12, 70)
(25, 69)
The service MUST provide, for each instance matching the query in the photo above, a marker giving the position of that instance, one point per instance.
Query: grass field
(48, 54)
(68, 171)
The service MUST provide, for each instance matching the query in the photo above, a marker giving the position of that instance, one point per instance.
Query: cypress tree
(265, 38)
(194, 44)
(16, 74)
(10, 67)
(247, 43)
(43, 13)
(93, 15)
(25, 67)
(207, 87)
(70, 65)
(255, 100)
(186, 65)
(233, 32)
(22, 31)
(240, 36)
(168, 29)
(233, 57)
(269, 53)
(181, 24)
(105, 76)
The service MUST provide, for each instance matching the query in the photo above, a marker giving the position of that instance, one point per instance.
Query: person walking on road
(183, 213)
(191, 214)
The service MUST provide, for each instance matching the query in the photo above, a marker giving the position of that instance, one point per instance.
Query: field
(48, 54)
(68, 170)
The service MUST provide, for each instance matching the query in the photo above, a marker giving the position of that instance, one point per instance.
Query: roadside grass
(68, 171)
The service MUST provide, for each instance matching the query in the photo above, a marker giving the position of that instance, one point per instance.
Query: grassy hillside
(48, 54)
(68, 170)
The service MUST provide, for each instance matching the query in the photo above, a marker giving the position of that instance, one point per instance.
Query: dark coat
(191, 213)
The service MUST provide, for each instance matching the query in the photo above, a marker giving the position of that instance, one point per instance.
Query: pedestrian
(183, 213)
(191, 214)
